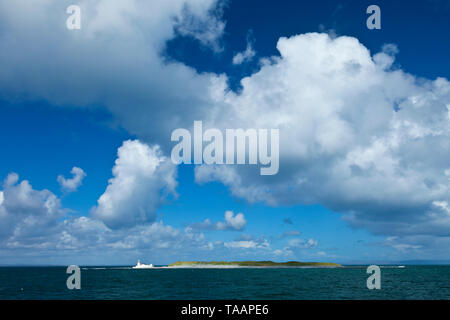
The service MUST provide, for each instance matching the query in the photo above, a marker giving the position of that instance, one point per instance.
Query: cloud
(87, 240)
(232, 222)
(115, 60)
(35, 228)
(207, 29)
(424, 247)
(395, 243)
(72, 184)
(301, 243)
(357, 134)
(26, 212)
(246, 55)
(296, 245)
(142, 179)
(247, 244)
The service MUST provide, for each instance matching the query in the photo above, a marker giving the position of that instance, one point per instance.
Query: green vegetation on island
(253, 264)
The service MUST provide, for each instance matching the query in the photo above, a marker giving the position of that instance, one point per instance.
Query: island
(251, 264)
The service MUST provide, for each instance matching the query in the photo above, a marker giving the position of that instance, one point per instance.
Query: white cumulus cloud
(235, 222)
(232, 222)
(73, 183)
(142, 179)
(357, 134)
(26, 212)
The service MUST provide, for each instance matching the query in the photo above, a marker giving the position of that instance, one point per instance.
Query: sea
(344, 283)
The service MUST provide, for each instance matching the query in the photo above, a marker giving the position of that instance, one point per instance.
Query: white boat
(401, 266)
(140, 265)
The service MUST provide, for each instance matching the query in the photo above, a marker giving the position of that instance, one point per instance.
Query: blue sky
(358, 182)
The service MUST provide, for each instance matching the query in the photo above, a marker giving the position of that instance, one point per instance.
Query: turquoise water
(412, 282)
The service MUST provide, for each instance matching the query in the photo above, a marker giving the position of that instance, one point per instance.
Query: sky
(86, 118)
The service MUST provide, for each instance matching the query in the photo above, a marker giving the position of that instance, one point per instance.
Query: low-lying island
(251, 264)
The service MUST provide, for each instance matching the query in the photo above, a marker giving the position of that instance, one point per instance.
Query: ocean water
(412, 282)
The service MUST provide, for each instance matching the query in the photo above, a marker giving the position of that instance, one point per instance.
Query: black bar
(238, 309)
